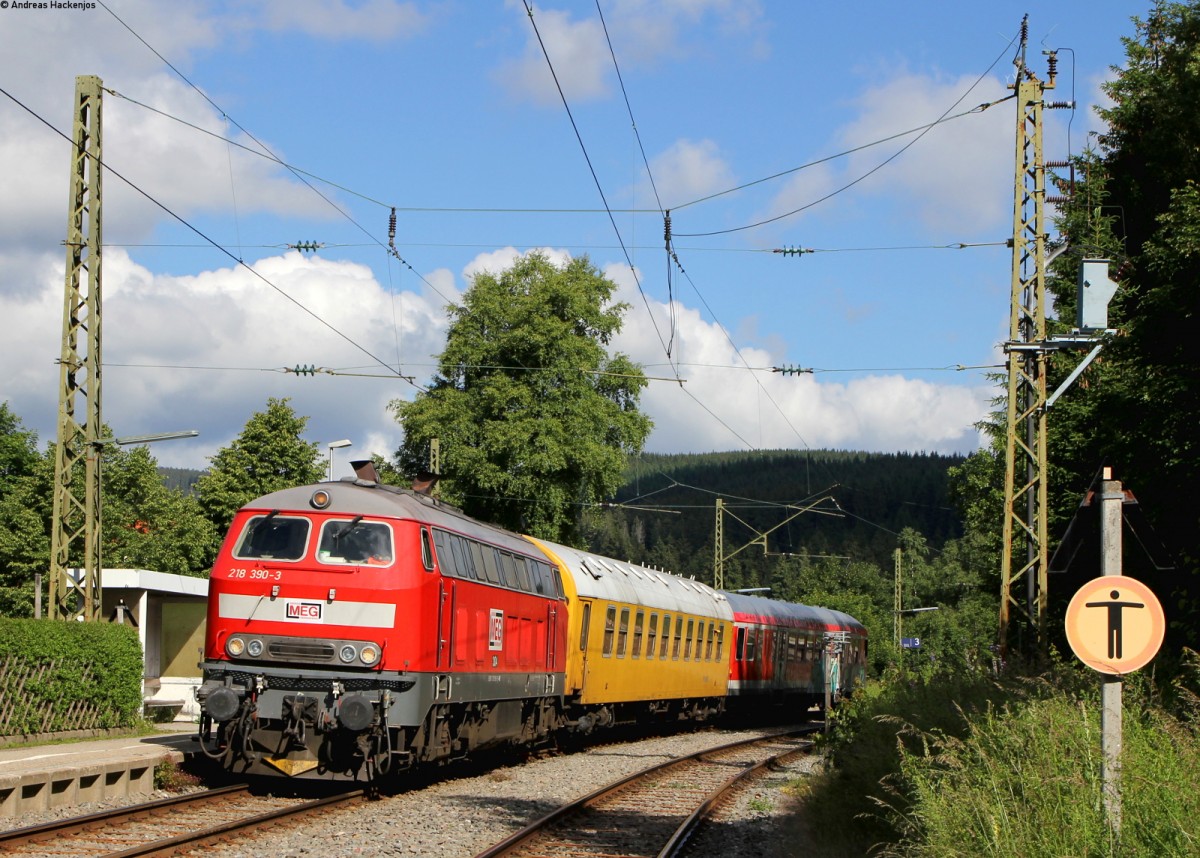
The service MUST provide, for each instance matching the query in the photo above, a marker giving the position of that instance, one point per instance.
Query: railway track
(171, 826)
(653, 812)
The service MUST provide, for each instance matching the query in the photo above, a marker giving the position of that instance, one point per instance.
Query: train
(357, 630)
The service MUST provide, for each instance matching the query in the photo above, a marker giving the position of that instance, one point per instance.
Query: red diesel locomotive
(356, 629)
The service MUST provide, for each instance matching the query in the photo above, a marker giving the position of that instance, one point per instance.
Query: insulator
(1058, 200)
(1058, 105)
(667, 227)
(392, 226)
(1053, 165)
(1024, 29)
(1052, 64)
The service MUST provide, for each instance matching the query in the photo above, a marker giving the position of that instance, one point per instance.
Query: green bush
(57, 676)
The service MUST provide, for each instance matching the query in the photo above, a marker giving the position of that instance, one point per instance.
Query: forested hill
(180, 479)
(665, 514)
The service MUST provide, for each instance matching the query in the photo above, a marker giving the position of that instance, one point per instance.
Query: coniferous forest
(858, 504)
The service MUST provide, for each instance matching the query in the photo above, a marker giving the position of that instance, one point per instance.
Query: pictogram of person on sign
(1115, 607)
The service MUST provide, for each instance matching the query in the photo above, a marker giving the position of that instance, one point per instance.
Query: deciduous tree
(25, 480)
(533, 415)
(269, 454)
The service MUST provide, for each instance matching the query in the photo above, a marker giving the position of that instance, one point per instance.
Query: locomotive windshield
(273, 537)
(355, 541)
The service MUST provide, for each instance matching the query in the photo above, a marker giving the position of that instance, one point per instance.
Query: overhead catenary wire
(674, 257)
(649, 174)
(611, 210)
(844, 153)
(591, 169)
(333, 245)
(265, 149)
(920, 134)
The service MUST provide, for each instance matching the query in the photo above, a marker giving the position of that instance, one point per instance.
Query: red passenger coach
(355, 628)
(789, 653)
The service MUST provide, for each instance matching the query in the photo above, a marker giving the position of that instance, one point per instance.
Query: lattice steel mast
(1025, 490)
(77, 517)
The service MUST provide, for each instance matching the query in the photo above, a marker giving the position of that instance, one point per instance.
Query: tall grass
(1026, 781)
(961, 765)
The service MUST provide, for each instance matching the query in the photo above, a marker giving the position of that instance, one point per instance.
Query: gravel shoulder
(464, 810)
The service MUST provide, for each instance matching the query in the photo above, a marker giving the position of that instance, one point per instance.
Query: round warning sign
(1115, 624)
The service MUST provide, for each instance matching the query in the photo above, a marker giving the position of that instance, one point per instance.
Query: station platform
(42, 777)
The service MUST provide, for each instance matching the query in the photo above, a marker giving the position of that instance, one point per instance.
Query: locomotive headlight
(235, 647)
(320, 498)
(254, 648)
(369, 654)
(348, 653)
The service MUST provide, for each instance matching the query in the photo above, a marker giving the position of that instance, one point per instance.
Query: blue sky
(448, 111)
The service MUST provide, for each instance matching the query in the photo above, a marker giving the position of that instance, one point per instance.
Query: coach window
(720, 643)
(585, 624)
(443, 551)
(652, 636)
(462, 559)
(678, 645)
(666, 637)
(623, 633)
(426, 551)
(272, 537)
(523, 574)
(708, 649)
(639, 620)
(547, 580)
(491, 570)
(610, 625)
(751, 640)
(477, 550)
(739, 646)
(687, 641)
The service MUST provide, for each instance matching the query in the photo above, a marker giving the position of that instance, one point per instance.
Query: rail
(189, 819)
(630, 815)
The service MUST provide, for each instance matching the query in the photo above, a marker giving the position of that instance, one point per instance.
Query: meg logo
(495, 629)
(309, 612)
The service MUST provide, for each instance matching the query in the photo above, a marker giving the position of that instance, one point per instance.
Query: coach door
(445, 623)
(551, 635)
(585, 625)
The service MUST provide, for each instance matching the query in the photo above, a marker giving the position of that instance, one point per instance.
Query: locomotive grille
(301, 650)
(304, 683)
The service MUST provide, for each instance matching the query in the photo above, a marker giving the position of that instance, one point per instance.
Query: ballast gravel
(460, 815)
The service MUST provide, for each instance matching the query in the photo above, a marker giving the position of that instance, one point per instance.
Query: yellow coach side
(639, 635)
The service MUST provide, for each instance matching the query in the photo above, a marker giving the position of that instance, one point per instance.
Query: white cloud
(642, 32)
(955, 176)
(801, 191)
(688, 170)
(723, 405)
(499, 260)
(182, 168)
(578, 52)
(161, 332)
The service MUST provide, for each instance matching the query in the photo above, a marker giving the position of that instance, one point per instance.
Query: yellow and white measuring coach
(641, 643)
